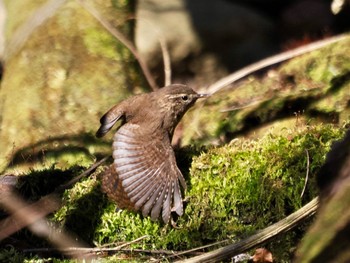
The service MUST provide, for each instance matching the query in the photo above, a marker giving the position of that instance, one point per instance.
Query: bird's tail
(111, 185)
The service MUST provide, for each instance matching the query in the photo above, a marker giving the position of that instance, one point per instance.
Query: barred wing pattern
(147, 173)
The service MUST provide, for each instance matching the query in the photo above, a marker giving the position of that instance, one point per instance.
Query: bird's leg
(173, 223)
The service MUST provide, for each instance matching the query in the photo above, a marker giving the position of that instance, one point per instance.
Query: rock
(58, 85)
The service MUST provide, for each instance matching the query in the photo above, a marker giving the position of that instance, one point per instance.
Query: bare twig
(32, 213)
(36, 211)
(32, 216)
(121, 248)
(271, 61)
(307, 172)
(166, 60)
(81, 250)
(131, 242)
(85, 173)
(177, 254)
(118, 35)
(259, 238)
(27, 28)
(164, 48)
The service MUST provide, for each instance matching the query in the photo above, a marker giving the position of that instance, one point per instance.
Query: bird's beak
(200, 96)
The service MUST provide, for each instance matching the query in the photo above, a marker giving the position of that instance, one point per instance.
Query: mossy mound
(233, 191)
(314, 86)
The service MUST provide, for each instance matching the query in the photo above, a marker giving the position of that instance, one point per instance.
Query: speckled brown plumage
(144, 175)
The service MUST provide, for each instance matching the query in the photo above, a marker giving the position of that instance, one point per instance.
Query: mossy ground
(233, 191)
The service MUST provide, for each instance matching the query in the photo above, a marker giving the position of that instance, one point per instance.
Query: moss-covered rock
(67, 74)
(233, 191)
(315, 87)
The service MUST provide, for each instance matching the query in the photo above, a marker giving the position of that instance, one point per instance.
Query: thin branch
(32, 213)
(177, 254)
(271, 61)
(307, 172)
(164, 49)
(259, 238)
(131, 242)
(72, 250)
(84, 174)
(32, 216)
(22, 34)
(120, 248)
(118, 35)
(166, 60)
(36, 211)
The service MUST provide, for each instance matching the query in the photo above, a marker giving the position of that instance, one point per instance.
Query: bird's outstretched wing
(147, 172)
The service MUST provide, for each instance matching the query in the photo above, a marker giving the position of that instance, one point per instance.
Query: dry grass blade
(307, 173)
(190, 251)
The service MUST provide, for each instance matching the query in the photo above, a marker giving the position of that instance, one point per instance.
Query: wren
(144, 175)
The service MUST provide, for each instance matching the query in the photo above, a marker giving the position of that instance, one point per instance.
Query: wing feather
(148, 172)
(143, 198)
(150, 202)
(166, 204)
(140, 184)
(177, 200)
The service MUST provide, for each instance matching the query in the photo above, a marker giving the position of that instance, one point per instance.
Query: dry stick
(166, 60)
(307, 172)
(33, 212)
(164, 48)
(21, 35)
(40, 209)
(86, 250)
(123, 40)
(131, 242)
(71, 250)
(77, 178)
(32, 216)
(120, 248)
(177, 254)
(270, 61)
(259, 238)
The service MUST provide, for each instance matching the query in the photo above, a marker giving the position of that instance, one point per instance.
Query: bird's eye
(184, 98)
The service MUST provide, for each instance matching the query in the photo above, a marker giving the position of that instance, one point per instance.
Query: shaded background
(62, 74)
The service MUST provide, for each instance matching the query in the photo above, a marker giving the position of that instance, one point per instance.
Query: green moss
(100, 43)
(10, 255)
(315, 85)
(233, 191)
(81, 212)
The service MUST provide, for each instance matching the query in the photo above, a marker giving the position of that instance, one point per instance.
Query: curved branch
(259, 238)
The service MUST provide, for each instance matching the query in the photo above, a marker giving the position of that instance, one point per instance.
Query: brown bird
(144, 175)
